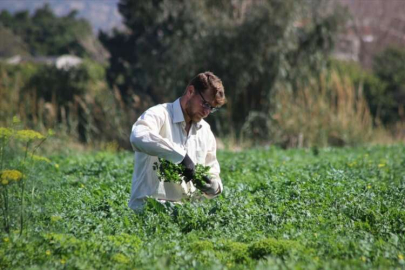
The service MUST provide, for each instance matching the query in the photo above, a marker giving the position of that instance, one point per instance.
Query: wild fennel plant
(17, 170)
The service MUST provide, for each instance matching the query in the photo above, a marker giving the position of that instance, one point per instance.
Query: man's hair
(207, 80)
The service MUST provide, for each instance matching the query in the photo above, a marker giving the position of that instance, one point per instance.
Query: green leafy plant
(169, 172)
(338, 208)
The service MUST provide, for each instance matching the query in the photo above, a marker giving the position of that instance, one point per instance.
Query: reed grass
(329, 110)
(95, 117)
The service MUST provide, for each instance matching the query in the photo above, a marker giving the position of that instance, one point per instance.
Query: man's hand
(189, 171)
(209, 187)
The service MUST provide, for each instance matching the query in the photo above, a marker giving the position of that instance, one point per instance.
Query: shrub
(236, 251)
(200, 246)
(271, 246)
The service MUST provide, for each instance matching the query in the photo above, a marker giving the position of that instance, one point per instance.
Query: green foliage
(170, 172)
(62, 85)
(234, 251)
(271, 246)
(389, 68)
(46, 34)
(142, 63)
(297, 209)
(201, 246)
(250, 45)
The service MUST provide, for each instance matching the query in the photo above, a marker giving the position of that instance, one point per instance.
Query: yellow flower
(5, 132)
(363, 258)
(57, 166)
(48, 252)
(29, 135)
(81, 186)
(6, 239)
(62, 261)
(369, 186)
(381, 165)
(400, 257)
(4, 182)
(11, 175)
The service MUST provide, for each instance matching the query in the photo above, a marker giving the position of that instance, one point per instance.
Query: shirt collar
(177, 112)
(178, 115)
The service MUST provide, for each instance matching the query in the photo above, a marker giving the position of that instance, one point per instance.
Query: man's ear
(190, 90)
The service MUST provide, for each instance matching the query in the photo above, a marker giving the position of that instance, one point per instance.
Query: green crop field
(280, 209)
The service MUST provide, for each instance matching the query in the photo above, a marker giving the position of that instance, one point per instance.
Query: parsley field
(295, 209)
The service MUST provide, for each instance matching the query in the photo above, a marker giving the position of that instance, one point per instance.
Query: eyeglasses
(206, 105)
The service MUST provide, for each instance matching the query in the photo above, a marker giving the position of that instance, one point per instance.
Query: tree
(150, 59)
(249, 44)
(11, 44)
(46, 34)
(389, 67)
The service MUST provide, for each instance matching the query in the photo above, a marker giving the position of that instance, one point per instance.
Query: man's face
(199, 105)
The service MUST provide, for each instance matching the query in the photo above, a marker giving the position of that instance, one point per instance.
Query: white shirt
(160, 132)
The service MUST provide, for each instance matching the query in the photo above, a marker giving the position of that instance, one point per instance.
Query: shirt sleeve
(212, 162)
(145, 136)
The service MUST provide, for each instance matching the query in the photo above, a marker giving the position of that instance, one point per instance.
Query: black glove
(209, 187)
(189, 168)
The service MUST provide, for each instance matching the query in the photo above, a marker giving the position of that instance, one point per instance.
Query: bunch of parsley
(169, 172)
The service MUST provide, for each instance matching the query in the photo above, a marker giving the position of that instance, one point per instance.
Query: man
(177, 132)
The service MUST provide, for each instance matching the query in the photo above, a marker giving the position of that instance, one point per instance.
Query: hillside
(102, 14)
